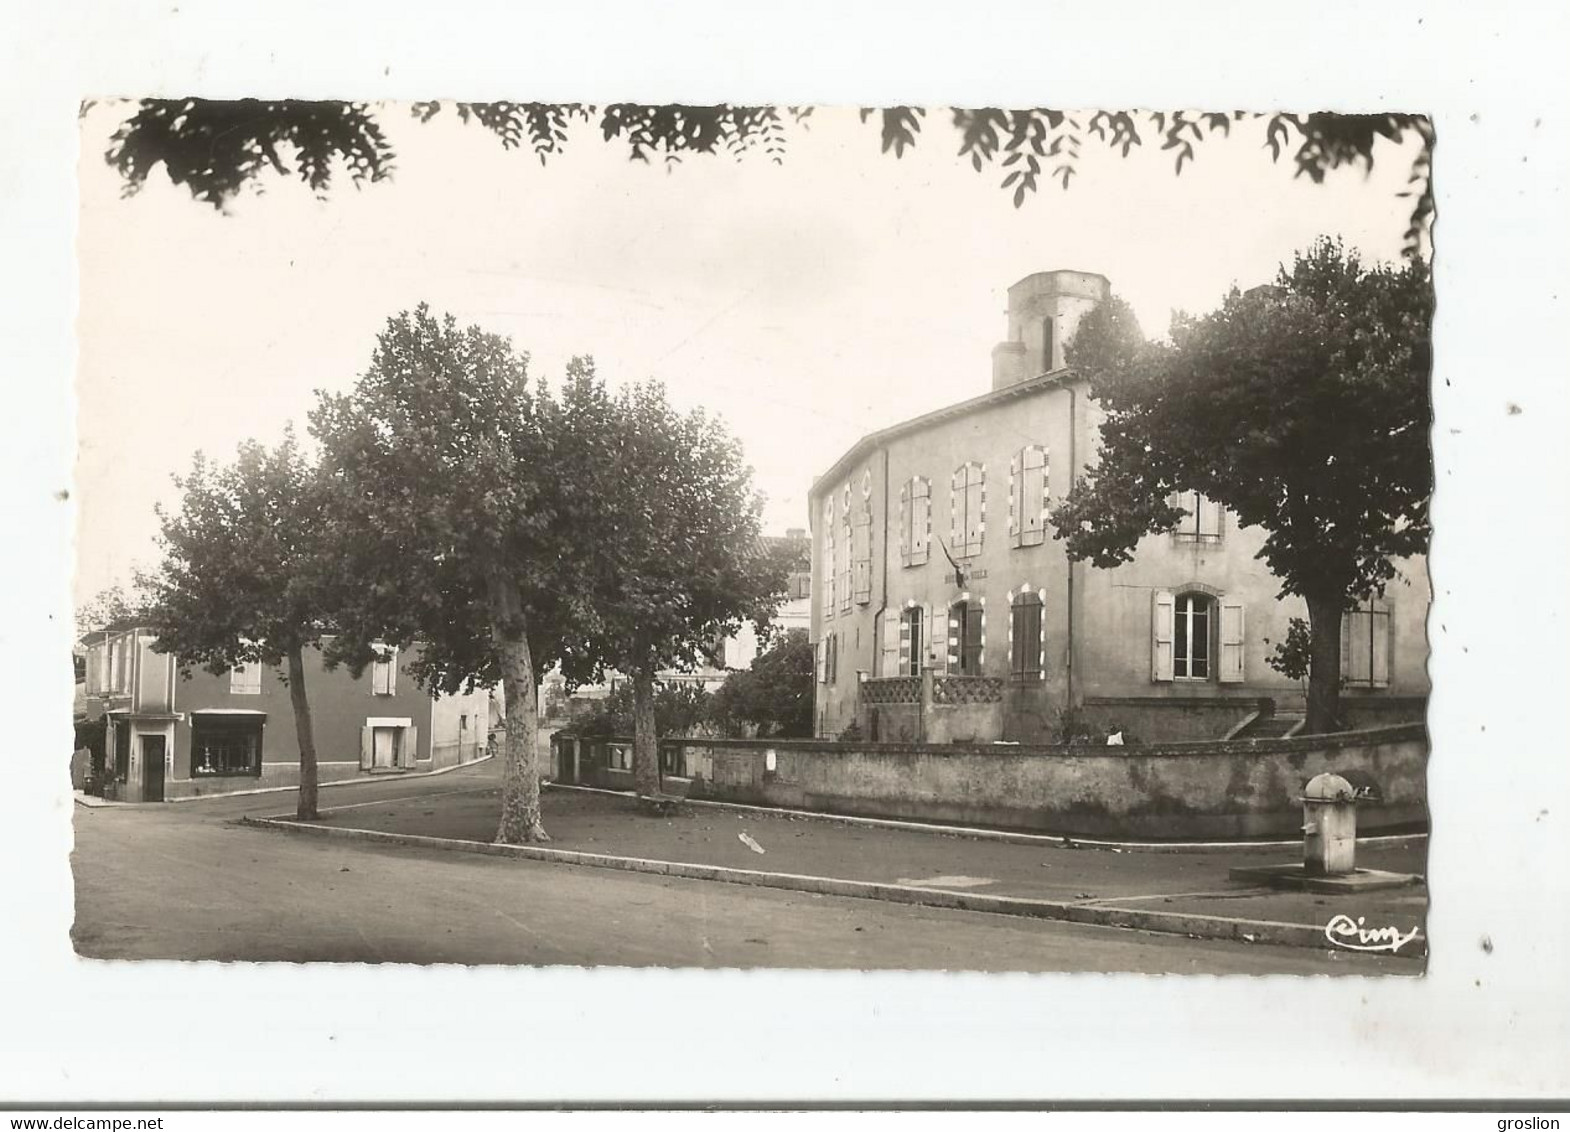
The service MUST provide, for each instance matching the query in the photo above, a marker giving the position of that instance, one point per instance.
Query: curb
(94, 802)
(1015, 837)
(1170, 923)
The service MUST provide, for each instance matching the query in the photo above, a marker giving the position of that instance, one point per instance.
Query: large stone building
(944, 610)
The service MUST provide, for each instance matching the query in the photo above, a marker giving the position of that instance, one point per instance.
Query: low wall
(1245, 788)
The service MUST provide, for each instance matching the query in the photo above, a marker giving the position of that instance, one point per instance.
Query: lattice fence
(967, 689)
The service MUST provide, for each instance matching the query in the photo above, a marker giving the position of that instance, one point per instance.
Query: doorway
(384, 748)
(152, 768)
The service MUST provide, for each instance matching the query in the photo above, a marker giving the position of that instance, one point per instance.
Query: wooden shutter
(409, 748)
(975, 509)
(1033, 497)
(1161, 610)
(907, 512)
(920, 521)
(1208, 526)
(1380, 659)
(366, 740)
(1232, 639)
(863, 563)
(1016, 499)
(889, 663)
(974, 639)
(823, 661)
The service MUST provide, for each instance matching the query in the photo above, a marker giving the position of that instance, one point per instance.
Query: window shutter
(907, 514)
(895, 636)
(1383, 626)
(863, 542)
(1232, 642)
(1017, 497)
(1161, 610)
(1033, 497)
(921, 522)
(365, 748)
(409, 749)
(823, 661)
(1210, 518)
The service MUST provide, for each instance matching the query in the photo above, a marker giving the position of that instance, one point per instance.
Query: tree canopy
(456, 523)
(246, 575)
(1302, 407)
(773, 697)
(678, 559)
(217, 148)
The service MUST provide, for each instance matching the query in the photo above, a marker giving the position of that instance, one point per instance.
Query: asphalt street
(184, 881)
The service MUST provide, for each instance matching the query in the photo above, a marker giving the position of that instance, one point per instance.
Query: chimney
(1008, 364)
(1044, 310)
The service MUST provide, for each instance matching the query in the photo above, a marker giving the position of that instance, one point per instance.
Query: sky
(806, 303)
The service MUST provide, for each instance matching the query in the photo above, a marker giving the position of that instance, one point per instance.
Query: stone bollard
(1329, 826)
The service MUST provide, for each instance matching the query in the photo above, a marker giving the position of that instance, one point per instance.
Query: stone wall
(1175, 790)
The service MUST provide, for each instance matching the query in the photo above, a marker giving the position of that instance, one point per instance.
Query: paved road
(184, 882)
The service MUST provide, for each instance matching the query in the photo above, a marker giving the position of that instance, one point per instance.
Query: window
(834, 657)
(618, 756)
(226, 745)
(384, 672)
(1203, 521)
(1365, 645)
(967, 635)
(1191, 638)
(968, 510)
(1028, 497)
(915, 525)
(828, 659)
(912, 641)
(245, 679)
(1196, 636)
(1027, 643)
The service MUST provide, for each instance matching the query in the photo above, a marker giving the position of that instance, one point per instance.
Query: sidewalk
(1157, 891)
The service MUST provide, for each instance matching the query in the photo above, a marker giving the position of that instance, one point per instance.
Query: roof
(1042, 383)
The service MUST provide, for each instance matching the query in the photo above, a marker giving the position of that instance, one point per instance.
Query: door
(152, 768)
(384, 748)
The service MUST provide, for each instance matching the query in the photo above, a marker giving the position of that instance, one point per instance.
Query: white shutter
(1033, 497)
(823, 662)
(409, 751)
(1210, 518)
(907, 511)
(920, 522)
(366, 740)
(1017, 497)
(1380, 661)
(1161, 610)
(891, 644)
(1232, 638)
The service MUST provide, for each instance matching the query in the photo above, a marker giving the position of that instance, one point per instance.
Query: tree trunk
(645, 743)
(1324, 672)
(520, 820)
(306, 809)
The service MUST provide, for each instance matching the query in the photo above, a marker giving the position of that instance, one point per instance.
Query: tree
(1301, 407)
(459, 524)
(773, 696)
(109, 605)
(679, 561)
(681, 707)
(246, 576)
(217, 148)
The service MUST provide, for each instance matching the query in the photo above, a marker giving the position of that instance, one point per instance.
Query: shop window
(226, 745)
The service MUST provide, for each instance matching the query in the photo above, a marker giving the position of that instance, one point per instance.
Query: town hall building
(944, 611)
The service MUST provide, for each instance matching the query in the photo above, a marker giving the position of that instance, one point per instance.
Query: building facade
(944, 610)
(170, 737)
